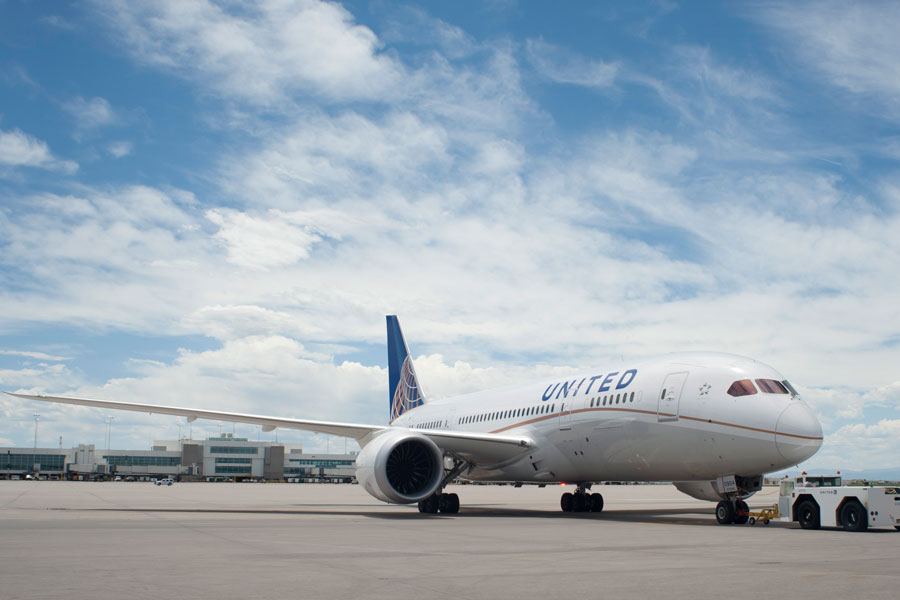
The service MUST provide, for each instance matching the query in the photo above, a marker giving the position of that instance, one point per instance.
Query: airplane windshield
(770, 386)
(744, 387)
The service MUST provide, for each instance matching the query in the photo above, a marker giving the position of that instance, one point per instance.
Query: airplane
(711, 423)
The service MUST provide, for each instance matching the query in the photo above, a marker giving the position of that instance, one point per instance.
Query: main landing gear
(732, 511)
(445, 503)
(581, 500)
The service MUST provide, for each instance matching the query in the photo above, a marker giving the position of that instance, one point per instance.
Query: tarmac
(119, 540)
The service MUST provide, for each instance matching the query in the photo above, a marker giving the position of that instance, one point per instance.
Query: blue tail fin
(405, 393)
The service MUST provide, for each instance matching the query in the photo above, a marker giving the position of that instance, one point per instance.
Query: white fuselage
(666, 419)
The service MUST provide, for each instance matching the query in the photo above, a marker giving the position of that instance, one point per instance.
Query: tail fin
(405, 393)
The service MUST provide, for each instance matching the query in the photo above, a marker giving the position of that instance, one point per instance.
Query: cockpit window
(770, 386)
(744, 387)
(790, 388)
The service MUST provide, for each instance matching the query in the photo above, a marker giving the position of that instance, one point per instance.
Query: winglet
(403, 385)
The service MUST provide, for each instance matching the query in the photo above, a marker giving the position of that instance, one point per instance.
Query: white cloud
(35, 355)
(410, 24)
(565, 66)
(54, 374)
(338, 158)
(700, 65)
(120, 149)
(18, 149)
(854, 45)
(280, 55)
(259, 53)
(834, 405)
(261, 243)
(104, 249)
(440, 379)
(886, 395)
(861, 446)
(91, 113)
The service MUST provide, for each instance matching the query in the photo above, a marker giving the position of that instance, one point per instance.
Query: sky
(214, 204)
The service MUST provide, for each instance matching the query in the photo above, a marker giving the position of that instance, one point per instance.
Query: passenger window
(770, 386)
(744, 387)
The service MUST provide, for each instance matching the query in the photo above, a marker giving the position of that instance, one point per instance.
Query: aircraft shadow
(671, 516)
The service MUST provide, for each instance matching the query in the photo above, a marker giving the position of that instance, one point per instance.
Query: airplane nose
(798, 434)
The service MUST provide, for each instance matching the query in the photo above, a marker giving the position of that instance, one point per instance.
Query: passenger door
(670, 396)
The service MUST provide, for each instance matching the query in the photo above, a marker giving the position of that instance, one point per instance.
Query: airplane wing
(350, 430)
(479, 448)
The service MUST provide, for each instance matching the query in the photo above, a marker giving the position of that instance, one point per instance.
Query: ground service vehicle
(166, 481)
(820, 500)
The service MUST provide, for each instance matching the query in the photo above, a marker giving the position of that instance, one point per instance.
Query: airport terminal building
(214, 459)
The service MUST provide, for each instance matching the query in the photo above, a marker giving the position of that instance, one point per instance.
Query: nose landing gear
(581, 500)
(732, 511)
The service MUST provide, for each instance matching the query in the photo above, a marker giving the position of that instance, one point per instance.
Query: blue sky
(215, 204)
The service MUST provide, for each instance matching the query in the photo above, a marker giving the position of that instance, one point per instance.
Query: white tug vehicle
(817, 501)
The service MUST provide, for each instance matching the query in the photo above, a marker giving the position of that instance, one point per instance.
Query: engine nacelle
(400, 467)
(712, 490)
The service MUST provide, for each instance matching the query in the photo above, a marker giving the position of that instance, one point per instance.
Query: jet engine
(712, 490)
(400, 467)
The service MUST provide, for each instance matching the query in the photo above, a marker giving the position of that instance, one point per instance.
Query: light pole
(108, 435)
(34, 463)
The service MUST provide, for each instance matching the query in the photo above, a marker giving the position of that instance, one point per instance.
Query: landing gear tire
(741, 512)
(596, 503)
(854, 517)
(567, 502)
(725, 513)
(808, 515)
(580, 503)
(430, 505)
(449, 504)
